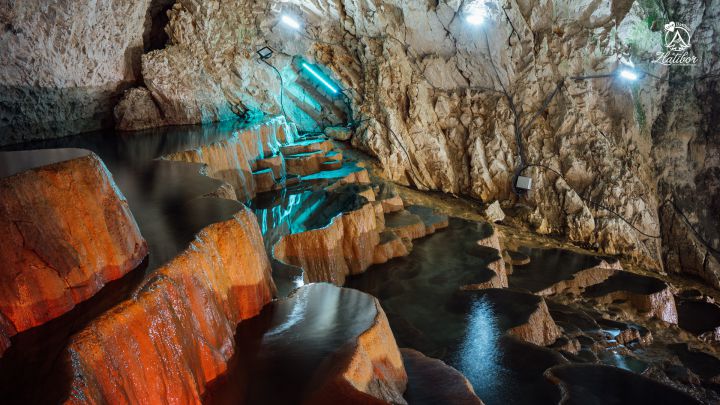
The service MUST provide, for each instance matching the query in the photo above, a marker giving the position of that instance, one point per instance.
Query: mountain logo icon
(677, 37)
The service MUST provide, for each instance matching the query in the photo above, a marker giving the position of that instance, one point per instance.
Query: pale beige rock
(494, 212)
(137, 110)
(65, 64)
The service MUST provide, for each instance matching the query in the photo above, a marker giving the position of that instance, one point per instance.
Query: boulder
(431, 381)
(494, 212)
(339, 133)
(649, 295)
(69, 231)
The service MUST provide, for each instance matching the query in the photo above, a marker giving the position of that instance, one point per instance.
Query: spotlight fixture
(265, 52)
(290, 22)
(320, 77)
(475, 18)
(475, 14)
(523, 183)
(628, 74)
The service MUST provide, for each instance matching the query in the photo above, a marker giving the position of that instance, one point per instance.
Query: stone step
(334, 155)
(275, 163)
(331, 165)
(431, 218)
(321, 144)
(390, 247)
(405, 224)
(304, 163)
(264, 180)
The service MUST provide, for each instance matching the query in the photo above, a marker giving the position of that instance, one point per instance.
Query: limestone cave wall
(441, 104)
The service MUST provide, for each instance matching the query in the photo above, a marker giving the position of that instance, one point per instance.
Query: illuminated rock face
(176, 333)
(370, 370)
(346, 246)
(68, 231)
(234, 160)
(84, 55)
(442, 121)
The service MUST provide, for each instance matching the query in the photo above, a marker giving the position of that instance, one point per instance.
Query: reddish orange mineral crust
(176, 334)
(67, 232)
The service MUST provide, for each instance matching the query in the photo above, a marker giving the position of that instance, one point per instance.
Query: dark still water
(419, 293)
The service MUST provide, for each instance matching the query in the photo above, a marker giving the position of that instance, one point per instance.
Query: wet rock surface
(338, 337)
(446, 296)
(433, 382)
(175, 334)
(551, 271)
(49, 263)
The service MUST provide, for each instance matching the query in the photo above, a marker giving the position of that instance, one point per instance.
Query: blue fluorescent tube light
(318, 76)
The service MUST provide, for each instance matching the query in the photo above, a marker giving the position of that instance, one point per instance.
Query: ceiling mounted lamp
(629, 74)
(265, 52)
(290, 22)
(475, 13)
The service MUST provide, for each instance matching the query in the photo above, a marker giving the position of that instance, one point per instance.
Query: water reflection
(478, 356)
(419, 293)
(306, 206)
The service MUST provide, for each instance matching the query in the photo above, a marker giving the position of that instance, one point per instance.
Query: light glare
(628, 75)
(290, 22)
(475, 18)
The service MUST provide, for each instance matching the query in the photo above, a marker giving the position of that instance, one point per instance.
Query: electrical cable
(282, 87)
(669, 201)
(518, 131)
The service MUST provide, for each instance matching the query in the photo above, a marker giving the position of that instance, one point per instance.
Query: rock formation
(176, 333)
(237, 160)
(433, 382)
(359, 235)
(69, 231)
(66, 65)
(551, 271)
(443, 106)
(648, 295)
(339, 338)
(582, 384)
